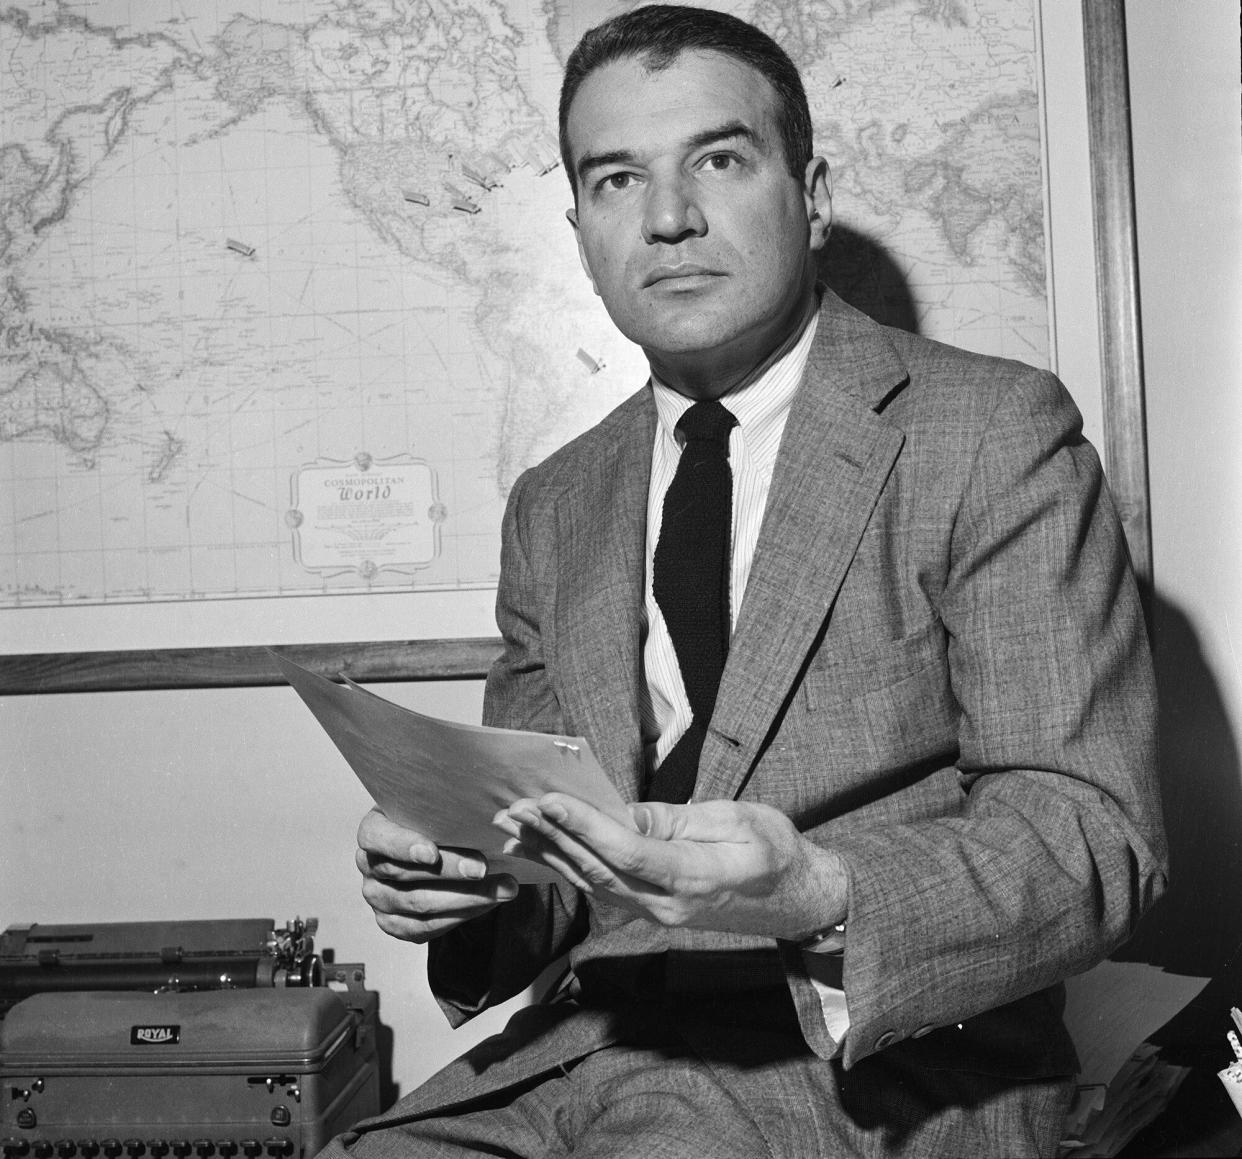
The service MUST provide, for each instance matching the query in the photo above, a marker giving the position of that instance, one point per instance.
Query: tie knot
(707, 421)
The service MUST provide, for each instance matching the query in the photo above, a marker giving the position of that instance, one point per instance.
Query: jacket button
(886, 1040)
(923, 1031)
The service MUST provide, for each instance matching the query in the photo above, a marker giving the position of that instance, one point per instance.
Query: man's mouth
(683, 271)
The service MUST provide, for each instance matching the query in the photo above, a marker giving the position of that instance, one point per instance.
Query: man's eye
(617, 181)
(720, 161)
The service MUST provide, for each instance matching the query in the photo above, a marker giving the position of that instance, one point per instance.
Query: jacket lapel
(835, 457)
(601, 533)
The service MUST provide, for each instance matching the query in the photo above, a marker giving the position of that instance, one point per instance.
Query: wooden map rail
(366, 662)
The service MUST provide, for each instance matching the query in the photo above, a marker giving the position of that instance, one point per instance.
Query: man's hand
(419, 890)
(713, 865)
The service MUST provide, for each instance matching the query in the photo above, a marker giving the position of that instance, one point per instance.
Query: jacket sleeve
(1058, 847)
(488, 960)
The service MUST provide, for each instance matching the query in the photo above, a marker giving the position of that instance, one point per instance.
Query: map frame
(1085, 116)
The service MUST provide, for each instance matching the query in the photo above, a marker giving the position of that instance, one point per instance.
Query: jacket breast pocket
(885, 706)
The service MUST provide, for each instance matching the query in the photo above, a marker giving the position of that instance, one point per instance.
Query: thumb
(657, 819)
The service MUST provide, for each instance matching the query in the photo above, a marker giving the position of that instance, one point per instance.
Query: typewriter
(164, 1040)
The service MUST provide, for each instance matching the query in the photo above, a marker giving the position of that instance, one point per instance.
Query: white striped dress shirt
(761, 410)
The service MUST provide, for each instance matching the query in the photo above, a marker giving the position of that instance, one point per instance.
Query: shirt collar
(759, 406)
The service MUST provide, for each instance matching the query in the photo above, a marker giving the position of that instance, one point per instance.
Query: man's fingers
(555, 846)
(398, 853)
(707, 821)
(437, 898)
(467, 864)
(418, 912)
(460, 865)
(386, 840)
(604, 849)
(533, 847)
(559, 848)
(421, 914)
(659, 820)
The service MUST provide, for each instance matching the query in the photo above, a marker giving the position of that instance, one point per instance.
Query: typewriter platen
(165, 1040)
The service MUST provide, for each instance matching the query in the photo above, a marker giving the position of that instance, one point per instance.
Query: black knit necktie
(690, 581)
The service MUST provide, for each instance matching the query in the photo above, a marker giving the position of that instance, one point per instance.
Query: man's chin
(698, 334)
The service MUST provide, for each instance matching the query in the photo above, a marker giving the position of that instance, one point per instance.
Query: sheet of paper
(1231, 1076)
(1114, 1007)
(448, 780)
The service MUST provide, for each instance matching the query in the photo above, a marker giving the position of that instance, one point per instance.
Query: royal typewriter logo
(154, 1035)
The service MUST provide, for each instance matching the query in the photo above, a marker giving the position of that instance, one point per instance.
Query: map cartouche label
(364, 515)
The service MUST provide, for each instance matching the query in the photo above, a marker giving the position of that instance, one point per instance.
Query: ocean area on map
(250, 246)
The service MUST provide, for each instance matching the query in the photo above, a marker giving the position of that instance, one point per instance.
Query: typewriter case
(212, 1073)
(128, 1074)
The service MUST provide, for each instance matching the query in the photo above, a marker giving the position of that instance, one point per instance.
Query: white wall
(1184, 82)
(1188, 185)
(208, 804)
(120, 806)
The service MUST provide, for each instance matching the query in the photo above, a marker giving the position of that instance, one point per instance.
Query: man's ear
(571, 215)
(817, 189)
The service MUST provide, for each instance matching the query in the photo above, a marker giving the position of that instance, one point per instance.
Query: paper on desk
(1231, 1076)
(1110, 1012)
(448, 780)
(1114, 1007)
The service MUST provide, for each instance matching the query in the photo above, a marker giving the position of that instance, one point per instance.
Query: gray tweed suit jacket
(939, 670)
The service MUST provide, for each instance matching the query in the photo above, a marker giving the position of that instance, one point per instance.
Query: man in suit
(892, 779)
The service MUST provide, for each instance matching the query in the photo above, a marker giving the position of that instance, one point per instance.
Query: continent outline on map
(346, 233)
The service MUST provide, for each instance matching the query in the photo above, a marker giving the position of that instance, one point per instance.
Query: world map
(288, 297)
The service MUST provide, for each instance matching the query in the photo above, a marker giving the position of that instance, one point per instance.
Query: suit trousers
(621, 1102)
(699, 1079)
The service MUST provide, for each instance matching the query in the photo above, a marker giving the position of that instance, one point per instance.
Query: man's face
(689, 223)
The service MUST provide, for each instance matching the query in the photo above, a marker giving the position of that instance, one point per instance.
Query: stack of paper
(1123, 1085)
(1231, 1076)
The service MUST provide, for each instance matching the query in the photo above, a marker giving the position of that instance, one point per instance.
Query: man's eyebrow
(729, 131)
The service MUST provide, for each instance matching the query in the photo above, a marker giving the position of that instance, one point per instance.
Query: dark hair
(660, 33)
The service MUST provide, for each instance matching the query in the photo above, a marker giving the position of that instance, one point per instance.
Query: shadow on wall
(1197, 927)
(860, 271)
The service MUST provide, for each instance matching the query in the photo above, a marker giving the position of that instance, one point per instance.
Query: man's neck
(715, 373)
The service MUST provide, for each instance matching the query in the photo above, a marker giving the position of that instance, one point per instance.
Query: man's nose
(671, 213)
